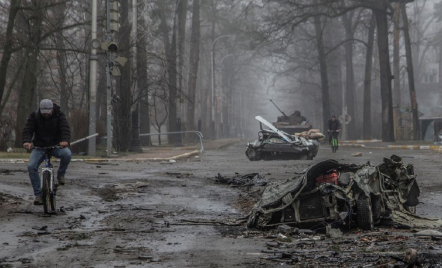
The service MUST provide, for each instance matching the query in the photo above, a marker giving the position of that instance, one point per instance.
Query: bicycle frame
(334, 140)
(48, 166)
(49, 188)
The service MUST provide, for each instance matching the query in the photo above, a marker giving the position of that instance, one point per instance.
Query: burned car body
(273, 144)
(331, 193)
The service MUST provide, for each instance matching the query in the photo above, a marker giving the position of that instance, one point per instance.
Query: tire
(303, 157)
(46, 192)
(252, 154)
(53, 202)
(364, 215)
(376, 208)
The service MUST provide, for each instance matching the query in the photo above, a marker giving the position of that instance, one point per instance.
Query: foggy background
(212, 66)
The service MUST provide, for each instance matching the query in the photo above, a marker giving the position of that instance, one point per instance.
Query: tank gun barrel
(279, 109)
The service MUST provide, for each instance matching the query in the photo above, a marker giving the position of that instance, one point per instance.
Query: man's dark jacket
(334, 125)
(45, 132)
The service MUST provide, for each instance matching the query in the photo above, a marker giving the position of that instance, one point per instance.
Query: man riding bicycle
(334, 127)
(46, 127)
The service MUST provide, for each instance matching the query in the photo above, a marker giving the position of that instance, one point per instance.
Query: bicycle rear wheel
(334, 145)
(46, 191)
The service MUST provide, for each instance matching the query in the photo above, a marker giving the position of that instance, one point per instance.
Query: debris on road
(339, 195)
(357, 154)
(251, 179)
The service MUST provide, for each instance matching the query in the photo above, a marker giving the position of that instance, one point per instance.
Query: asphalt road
(133, 214)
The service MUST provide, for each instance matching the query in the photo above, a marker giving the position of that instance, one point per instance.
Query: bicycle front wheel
(53, 202)
(46, 191)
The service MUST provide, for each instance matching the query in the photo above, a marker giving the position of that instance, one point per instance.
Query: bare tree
(27, 94)
(194, 61)
(396, 68)
(350, 21)
(366, 128)
(170, 51)
(410, 71)
(8, 47)
(323, 72)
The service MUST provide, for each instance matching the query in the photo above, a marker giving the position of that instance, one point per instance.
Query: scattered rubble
(251, 179)
(335, 195)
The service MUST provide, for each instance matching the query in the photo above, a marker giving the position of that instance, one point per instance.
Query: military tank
(295, 123)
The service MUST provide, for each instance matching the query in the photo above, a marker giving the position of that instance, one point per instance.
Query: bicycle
(48, 187)
(334, 141)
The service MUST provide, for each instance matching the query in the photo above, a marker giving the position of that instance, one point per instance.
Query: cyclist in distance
(46, 127)
(333, 125)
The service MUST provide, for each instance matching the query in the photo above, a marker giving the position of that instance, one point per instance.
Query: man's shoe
(61, 180)
(38, 201)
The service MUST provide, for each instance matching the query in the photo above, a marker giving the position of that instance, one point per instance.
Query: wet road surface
(133, 214)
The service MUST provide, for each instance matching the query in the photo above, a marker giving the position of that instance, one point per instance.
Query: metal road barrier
(200, 135)
(83, 139)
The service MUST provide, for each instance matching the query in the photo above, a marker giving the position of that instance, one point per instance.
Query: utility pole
(135, 145)
(113, 62)
(213, 93)
(93, 81)
(108, 86)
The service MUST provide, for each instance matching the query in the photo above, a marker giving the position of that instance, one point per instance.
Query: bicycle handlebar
(47, 148)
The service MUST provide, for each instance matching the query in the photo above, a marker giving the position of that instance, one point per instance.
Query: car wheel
(303, 157)
(364, 216)
(376, 208)
(252, 154)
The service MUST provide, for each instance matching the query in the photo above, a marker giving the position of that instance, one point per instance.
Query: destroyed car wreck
(274, 144)
(343, 195)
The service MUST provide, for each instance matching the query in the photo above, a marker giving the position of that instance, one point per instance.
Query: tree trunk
(7, 48)
(143, 86)
(349, 77)
(182, 17)
(27, 92)
(194, 61)
(385, 70)
(170, 50)
(396, 68)
(410, 71)
(61, 59)
(323, 72)
(366, 127)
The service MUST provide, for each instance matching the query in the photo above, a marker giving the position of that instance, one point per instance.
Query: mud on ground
(134, 214)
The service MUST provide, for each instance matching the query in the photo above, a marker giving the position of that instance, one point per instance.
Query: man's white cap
(46, 106)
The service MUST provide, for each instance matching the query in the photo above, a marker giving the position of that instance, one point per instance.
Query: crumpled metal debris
(334, 193)
(251, 179)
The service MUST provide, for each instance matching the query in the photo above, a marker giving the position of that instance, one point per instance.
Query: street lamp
(225, 117)
(214, 134)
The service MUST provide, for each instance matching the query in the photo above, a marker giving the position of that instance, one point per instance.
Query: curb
(113, 160)
(360, 141)
(352, 145)
(435, 148)
(415, 147)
